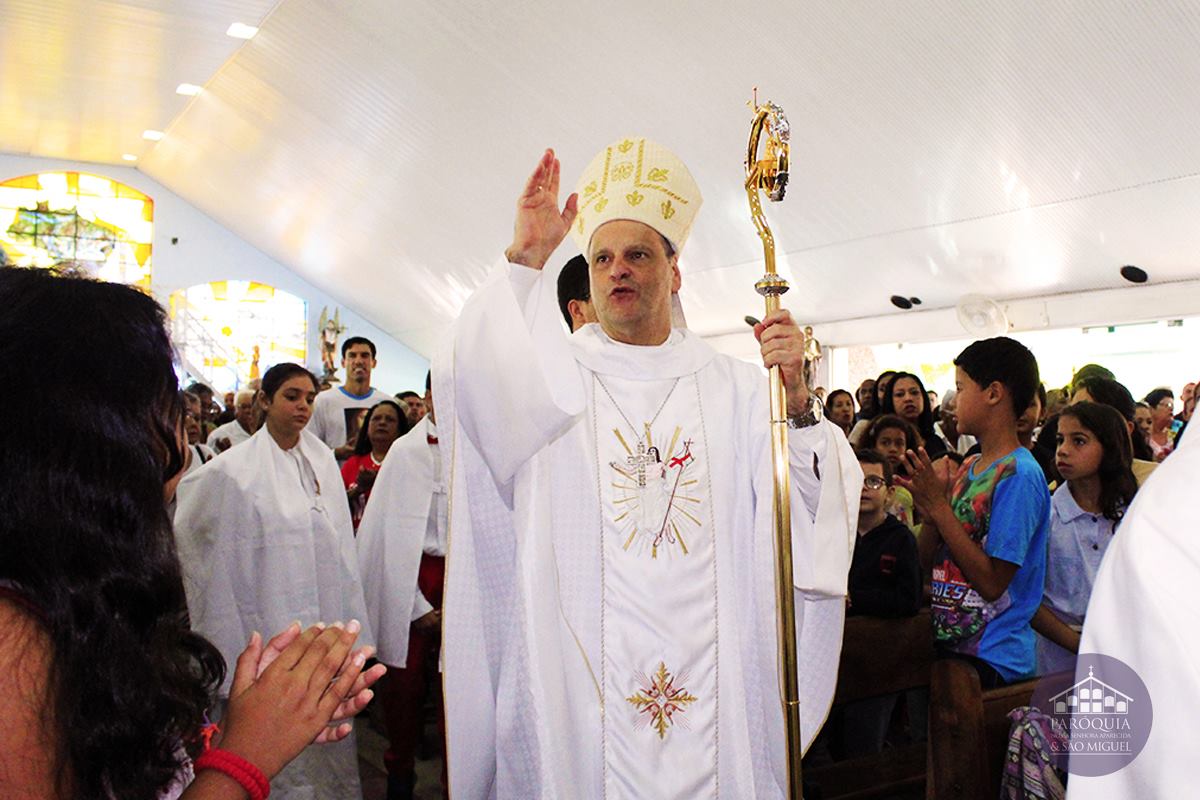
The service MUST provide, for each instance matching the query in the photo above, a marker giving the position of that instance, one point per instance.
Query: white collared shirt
(1078, 541)
(439, 509)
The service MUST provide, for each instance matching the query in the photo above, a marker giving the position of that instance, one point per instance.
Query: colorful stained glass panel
(98, 225)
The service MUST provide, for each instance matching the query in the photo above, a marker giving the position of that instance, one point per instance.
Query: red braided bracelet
(250, 777)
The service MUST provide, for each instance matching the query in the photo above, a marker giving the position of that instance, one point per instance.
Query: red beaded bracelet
(250, 777)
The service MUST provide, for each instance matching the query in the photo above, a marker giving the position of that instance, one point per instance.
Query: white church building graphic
(1091, 696)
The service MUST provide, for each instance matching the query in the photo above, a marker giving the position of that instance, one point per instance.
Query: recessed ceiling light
(190, 89)
(239, 31)
(152, 135)
(129, 156)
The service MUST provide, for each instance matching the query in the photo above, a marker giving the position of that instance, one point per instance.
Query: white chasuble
(658, 580)
(609, 619)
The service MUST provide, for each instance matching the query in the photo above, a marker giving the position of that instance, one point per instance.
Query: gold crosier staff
(770, 174)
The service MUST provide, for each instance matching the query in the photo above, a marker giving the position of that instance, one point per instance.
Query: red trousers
(402, 692)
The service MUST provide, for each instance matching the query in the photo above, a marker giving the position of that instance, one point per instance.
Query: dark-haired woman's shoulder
(27, 737)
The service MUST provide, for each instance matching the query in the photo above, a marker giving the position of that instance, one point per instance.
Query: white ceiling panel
(1012, 148)
(82, 80)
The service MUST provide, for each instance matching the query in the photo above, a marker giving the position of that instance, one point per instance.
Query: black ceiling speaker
(1134, 274)
(901, 302)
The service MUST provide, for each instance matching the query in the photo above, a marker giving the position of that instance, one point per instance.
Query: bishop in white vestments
(1143, 611)
(610, 623)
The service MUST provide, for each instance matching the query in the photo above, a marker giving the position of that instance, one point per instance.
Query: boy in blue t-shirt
(986, 527)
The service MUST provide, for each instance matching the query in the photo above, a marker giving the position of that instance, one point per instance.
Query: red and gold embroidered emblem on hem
(658, 701)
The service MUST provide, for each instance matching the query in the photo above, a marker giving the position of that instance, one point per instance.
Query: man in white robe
(401, 546)
(1143, 611)
(610, 622)
(264, 538)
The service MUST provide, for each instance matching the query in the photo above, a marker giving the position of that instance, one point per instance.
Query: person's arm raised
(540, 226)
(517, 383)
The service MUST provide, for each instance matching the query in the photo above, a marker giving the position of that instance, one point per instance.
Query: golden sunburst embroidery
(654, 495)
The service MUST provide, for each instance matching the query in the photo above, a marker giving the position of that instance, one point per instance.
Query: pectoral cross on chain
(639, 461)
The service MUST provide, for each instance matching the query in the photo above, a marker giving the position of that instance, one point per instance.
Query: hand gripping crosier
(770, 174)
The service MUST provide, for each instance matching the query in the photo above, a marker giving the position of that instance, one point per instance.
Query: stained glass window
(92, 223)
(230, 332)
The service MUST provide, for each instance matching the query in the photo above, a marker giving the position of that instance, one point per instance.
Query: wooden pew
(968, 732)
(879, 657)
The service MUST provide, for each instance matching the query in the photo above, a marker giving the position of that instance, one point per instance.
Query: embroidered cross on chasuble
(659, 637)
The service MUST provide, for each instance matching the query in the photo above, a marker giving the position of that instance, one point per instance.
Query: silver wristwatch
(810, 417)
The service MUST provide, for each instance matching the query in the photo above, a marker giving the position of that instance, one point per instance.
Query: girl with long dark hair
(105, 685)
(1094, 458)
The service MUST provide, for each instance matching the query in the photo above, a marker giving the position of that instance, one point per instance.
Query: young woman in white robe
(105, 686)
(264, 537)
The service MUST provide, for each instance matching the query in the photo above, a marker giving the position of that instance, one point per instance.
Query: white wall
(206, 251)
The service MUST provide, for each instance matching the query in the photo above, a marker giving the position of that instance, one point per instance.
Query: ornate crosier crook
(770, 174)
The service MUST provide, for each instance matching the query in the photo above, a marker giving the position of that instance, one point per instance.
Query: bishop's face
(632, 281)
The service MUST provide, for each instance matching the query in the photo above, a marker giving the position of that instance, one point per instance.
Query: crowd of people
(1008, 503)
(295, 554)
(186, 617)
(183, 532)
(1126, 439)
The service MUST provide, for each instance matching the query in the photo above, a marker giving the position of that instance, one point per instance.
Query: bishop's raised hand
(540, 225)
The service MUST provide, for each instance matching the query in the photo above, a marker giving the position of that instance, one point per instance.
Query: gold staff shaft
(770, 174)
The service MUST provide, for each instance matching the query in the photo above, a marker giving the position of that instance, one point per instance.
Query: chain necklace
(650, 424)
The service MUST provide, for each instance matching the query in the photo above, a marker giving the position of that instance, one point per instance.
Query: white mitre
(639, 180)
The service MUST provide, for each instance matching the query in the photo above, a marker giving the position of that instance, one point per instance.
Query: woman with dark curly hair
(105, 686)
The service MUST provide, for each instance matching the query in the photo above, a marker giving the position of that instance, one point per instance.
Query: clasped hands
(285, 694)
(928, 482)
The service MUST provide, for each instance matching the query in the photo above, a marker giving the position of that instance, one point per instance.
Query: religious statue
(331, 329)
(812, 356)
(254, 371)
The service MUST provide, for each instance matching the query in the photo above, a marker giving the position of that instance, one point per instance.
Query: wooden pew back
(968, 731)
(879, 657)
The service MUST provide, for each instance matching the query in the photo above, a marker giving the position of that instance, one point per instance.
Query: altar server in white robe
(264, 537)
(402, 557)
(610, 623)
(1143, 610)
